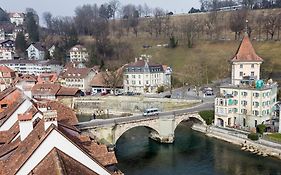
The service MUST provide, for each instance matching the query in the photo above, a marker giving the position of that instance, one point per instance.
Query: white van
(151, 112)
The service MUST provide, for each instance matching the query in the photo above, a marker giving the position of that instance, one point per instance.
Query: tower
(246, 63)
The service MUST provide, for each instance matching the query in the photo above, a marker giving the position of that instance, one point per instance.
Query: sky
(66, 7)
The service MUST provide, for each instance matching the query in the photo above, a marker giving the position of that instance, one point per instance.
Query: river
(192, 153)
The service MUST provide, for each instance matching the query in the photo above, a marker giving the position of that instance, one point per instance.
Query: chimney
(50, 117)
(25, 124)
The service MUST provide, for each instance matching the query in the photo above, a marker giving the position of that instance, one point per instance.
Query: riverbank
(261, 147)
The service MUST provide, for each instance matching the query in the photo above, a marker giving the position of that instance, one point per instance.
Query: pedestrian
(94, 116)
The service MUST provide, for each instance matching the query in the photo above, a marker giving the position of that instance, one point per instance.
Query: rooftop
(246, 52)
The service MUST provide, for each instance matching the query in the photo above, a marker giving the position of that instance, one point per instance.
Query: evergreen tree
(59, 55)
(20, 43)
(31, 27)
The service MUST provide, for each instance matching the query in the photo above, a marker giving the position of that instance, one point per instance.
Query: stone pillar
(166, 130)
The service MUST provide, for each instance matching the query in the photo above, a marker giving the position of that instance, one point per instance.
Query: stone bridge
(162, 128)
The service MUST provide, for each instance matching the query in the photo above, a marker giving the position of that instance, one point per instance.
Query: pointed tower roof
(246, 52)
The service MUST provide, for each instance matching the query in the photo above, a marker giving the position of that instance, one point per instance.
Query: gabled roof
(106, 79)
(6, 69)
(246, 52)
(45, 89)
(53, 89)
(78, 48)
(38, 46)
(76, 73)
(23, 150)
(67, 91)
(47, 78)
(61, 163)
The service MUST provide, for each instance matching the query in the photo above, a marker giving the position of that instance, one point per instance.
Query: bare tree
(237, 22)
(190, 29)
(115, 4)
(270, 25)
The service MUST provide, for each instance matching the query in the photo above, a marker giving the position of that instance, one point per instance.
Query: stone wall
(128, 104)
(260, 147)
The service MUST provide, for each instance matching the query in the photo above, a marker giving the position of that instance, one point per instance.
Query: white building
(77, 78)
(35, 67)
(143, 76)
(6, 54)
(17, 18)
(78, 53)
(36, 51)
(51, 50)
(247, 101)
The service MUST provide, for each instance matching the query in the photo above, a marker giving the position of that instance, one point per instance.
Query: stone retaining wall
(260, 147)
(128, 104)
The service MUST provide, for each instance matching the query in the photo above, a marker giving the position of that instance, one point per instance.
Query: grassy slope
(212, 53)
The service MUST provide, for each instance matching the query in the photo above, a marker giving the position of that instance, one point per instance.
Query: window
(252, 74)
(255, 112)
(244, 111)
(243, 102)
(133, 76)
(252, 66)
(139, 82)
(235, 93)
(241, 74)
(244, 94)
(241, 66)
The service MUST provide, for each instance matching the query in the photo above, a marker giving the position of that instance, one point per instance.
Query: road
(102, 122)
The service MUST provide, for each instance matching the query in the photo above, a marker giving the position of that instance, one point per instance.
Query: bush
(261, 128)
(253, 136)
(160, 89)
(208, 116)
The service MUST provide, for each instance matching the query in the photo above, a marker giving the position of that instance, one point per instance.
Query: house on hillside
(143, 76)
(36, 51)
(51, 50)
(78, 53)
(248, 101)
(77, 78)
(17, 18)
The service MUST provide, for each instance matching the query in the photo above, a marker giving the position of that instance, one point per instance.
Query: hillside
(212, 56)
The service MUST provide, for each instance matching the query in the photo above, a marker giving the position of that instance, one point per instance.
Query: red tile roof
(67, 91)
(45, 89)
(24, 149)
(53, 90)
(25, 116)
(246, 52)
(76, 73)
(61, 163)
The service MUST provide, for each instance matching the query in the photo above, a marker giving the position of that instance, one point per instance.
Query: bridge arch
(187, 117)
(121, 129)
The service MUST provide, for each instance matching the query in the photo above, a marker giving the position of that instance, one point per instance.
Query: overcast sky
(66, 7)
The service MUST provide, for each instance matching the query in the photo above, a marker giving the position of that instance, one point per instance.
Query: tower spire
(247, 28)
